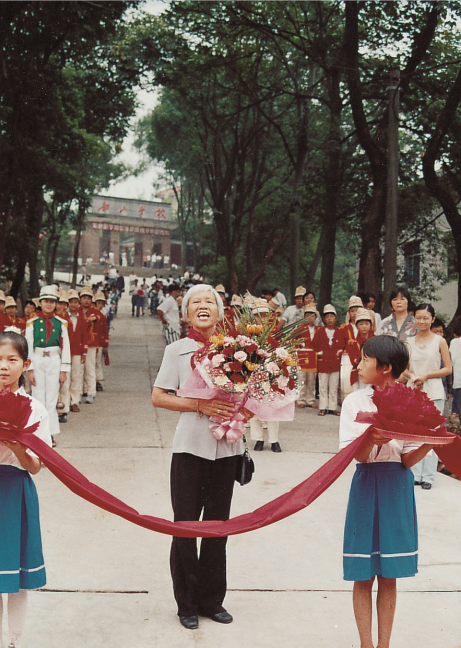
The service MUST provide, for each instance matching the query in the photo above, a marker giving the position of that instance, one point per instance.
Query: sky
(143, 186)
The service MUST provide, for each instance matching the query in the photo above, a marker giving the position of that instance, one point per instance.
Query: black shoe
(63, 418)
(53, 442)
(417, 483)
(189, 622)
(99, 387)
(259, 445)
(275, 447)
(219, 617)
(426, 486)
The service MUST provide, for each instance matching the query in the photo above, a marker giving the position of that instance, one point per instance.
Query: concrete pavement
(108, 580)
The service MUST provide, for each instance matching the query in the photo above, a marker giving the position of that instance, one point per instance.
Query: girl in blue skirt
(21, 558)
(380, 536)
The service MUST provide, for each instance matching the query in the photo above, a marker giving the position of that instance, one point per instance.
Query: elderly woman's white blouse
(193, 434)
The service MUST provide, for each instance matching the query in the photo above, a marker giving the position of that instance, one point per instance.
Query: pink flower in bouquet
(263, 353)
(241, 356)
(281, 353)
(282, 382)
(217, 359)
(273, 368)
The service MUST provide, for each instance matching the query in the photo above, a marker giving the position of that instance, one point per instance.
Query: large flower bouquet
(407, 415)
(251, 364)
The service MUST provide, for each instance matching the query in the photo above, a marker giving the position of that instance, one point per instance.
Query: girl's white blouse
(349, 430)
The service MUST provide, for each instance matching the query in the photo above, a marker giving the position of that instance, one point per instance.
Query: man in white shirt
(168, 312)
(280, 297)
(295, 313)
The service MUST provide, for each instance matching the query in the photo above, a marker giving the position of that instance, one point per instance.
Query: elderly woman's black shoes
(189, 622)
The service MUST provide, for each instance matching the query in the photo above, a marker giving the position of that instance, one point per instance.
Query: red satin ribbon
(198, 337)
(298, 498)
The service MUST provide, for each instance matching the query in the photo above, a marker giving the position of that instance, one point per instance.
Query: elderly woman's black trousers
(200, 486)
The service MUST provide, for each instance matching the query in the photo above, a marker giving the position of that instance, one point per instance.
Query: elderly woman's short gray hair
(202, 288)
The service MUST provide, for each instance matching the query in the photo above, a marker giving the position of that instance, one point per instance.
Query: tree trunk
(78, 235)
(19, 277)
(332, 186)
(311, 271)
(434, 183)
(328, 260)
(370, 251)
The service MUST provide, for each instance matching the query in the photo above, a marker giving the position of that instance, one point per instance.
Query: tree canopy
(279, 111)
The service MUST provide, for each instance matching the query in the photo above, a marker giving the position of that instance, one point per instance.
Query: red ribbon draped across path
(278, 509)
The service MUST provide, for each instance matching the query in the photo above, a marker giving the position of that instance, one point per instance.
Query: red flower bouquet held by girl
(251, 365)
(15, 411)
(407, 415)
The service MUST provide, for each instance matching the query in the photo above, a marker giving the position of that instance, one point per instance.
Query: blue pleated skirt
(21, 557)
(381, 533)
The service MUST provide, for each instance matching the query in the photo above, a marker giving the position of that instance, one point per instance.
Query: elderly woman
(202, 468)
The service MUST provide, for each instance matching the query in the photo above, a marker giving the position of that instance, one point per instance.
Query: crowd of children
(68, 338)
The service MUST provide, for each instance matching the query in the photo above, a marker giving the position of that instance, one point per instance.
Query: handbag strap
(245, 444)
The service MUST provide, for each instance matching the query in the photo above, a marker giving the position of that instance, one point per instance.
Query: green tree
(50, 54)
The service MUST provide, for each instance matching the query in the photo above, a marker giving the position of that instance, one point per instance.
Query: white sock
(17, 612)
(1, 620)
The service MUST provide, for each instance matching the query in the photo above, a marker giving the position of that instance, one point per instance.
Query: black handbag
(245, 467)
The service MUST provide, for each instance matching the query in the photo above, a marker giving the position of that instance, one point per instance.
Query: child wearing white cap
(329, 340)
(49, 352)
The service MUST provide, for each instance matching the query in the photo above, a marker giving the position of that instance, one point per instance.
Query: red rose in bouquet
(408, 415)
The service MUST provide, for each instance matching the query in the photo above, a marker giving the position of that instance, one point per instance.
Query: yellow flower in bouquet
(254, 329)
(217, 340)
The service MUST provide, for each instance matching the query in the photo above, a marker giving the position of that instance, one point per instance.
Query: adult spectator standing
(280, 297)
(132, 278)
(401, 324)
(134, 297)
(168, 312)
(120, 284)
(295, 313)
(267, 295)
(428, 352)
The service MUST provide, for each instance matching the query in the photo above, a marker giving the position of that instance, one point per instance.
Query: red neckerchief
(49, 324)
(198, 337)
